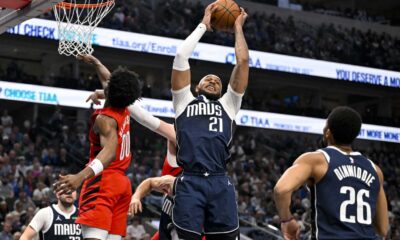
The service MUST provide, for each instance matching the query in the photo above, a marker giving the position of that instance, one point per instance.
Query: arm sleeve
(41, 221)
(231, 101)
(186, 49)
(143, 117)
(180, 99)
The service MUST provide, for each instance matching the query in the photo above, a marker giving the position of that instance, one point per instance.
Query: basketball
(225, 14)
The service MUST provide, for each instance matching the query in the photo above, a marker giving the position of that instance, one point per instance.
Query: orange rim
(67, 5)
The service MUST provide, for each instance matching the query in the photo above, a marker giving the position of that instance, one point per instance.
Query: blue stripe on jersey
(344, 201)
(204, 132)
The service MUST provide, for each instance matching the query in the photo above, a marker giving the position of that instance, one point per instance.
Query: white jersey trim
(326, 155)
(373, 164)
(316, 212)
(345, 153)
(181, 99)
(231, 101)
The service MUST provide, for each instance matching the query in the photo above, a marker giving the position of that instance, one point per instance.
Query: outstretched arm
(102, 72)
(106, 127)
(181, 76)
(162, 184)
(240, 75)
(142, 116)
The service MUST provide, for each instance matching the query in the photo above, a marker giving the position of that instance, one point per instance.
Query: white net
(77, 20)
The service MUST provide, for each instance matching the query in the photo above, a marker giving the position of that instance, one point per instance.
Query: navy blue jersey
(204, 132)
(62, 227)
(344, 200)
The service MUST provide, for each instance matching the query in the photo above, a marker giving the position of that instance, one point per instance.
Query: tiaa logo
(231, 59)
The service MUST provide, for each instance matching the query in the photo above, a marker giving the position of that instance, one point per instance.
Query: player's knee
(235, 235)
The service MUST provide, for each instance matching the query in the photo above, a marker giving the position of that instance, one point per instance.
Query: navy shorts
(205, 204)
(166, 225)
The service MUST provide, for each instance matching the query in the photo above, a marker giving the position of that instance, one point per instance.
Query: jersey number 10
(361, 205)
(215, 124)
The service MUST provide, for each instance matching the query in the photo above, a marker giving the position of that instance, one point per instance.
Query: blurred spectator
(136, 231)
(6, 233)
(6, 122)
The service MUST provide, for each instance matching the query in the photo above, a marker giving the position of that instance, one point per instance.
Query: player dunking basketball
(204, 196)
(103, 205)
(348, 200)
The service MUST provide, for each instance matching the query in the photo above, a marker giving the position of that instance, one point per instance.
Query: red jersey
(168, 170)
(123, 152)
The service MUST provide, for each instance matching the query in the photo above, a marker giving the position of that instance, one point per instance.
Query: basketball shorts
(104, 202)
(205, 205)
(166, 225)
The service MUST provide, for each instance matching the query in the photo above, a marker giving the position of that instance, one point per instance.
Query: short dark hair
(344, 124)
(123, 88)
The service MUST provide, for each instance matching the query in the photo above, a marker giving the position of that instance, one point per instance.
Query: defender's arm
(142, 116)
(102, 72)
(107, 129)
(161, 184)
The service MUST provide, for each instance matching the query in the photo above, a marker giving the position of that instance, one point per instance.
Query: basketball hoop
(76, 23)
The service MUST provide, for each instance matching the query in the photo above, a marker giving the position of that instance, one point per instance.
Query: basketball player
(56, 221)
(205, 197)
(347, 188)
(170, 166)
(103, 205)
(143, 117)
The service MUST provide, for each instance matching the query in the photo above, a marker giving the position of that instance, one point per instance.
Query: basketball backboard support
(10, 17)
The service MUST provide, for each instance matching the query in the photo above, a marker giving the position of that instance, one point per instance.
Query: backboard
(10, 17)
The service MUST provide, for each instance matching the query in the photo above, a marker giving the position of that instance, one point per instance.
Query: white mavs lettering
(204, 109)
(346, 171)
(67, 229)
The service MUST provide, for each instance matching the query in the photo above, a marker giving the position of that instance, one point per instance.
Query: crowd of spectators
(352, 13)
(264, 32)
(32, 154)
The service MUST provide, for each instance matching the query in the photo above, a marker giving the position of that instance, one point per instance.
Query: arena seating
(264, 32)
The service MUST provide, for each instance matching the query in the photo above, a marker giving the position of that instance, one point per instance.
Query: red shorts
(104, 202)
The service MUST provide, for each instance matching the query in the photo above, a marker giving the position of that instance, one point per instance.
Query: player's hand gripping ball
(224, 15)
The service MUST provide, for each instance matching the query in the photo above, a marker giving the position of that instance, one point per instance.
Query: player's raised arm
(240, 75)
(303, 169)
(107, 130)
(102, 72)
(381, 220)
(181, 76)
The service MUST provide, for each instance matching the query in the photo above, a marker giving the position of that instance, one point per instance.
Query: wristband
(287, 220)
(96, 166)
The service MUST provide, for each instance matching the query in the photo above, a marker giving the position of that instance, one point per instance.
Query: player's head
(123, 88)
(210, 86)
(67, 199)
(342, 126)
